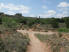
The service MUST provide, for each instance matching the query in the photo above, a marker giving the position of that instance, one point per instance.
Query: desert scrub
(2, 46)
(42, 37)
(56, 41)
(15, 41)
(63, 30)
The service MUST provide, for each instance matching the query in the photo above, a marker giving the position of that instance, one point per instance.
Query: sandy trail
(35, 44)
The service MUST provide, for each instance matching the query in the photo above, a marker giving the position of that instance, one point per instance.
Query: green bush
(67, 22)
(63, 30)
(9, 22)
(54, 23)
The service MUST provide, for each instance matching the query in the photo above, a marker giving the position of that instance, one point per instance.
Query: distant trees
(18, 15)
(67, 21)
(54, 23)
(10, 22)
(18, 18)
(0, 20)
(1, 13)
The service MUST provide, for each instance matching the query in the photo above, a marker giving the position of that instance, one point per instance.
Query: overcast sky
(43, 8)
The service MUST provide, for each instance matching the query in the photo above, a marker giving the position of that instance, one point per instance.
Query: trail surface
(35, 44)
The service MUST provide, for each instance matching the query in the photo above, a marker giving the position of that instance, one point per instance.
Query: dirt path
(35, 44)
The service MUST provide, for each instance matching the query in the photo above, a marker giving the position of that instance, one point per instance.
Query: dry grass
(13, 41)
(57, 41)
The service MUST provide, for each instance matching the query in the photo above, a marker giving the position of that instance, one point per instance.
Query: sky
(35, 8)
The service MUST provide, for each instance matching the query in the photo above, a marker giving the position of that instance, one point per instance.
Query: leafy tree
(0, 20)
(18, 15)
(54, 23)
(67, 21)
(10, 22)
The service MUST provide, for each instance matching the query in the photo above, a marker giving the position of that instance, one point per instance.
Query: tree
(10, 22)
(18, 15)
(67, 21)
(54, 23)
(0, 20)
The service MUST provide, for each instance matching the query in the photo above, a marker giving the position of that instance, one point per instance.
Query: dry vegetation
(57, 42)
(13, 41)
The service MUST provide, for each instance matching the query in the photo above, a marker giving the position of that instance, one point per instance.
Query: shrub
(2, 46)
(54, 23)
(15, 41)
(67, 22)
(55, 41)
(63, 30)
(9, 22)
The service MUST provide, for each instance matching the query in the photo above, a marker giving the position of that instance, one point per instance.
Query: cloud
(50, 13)
(32, 15)
(10, 12)
(63, 14)
(63, 4)
(1, 5)
(44, 7)
(63, 9)
(11, 8)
